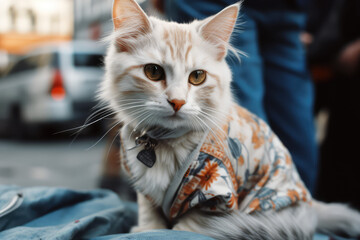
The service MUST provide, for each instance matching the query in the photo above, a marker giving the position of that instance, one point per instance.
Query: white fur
(170, 155)
(297, 222)
(149, 107)
(149, 216)
(337, 218)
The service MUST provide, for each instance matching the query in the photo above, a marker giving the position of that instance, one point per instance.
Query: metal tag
(147, 157)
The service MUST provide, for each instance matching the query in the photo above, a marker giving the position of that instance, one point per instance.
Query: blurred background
(51, 62)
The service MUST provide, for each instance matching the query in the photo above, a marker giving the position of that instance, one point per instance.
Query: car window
(50, 59)
(87, 60)
(36, 61)
(22, 66)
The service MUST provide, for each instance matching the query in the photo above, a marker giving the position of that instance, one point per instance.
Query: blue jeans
(273, 81)
(64, 214)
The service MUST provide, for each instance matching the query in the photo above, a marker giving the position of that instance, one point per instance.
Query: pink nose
(176, 104)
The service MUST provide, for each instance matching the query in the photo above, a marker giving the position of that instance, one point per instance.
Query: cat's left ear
(129, 20)
(217, 29)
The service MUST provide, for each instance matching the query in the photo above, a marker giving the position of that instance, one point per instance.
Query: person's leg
(247, 85)
(248, 76)
(289, 90)
(184, 11)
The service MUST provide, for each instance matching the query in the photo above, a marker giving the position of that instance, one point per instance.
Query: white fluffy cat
(198, 161)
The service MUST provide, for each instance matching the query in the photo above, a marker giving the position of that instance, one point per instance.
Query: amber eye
(197, 77)
(154, 72)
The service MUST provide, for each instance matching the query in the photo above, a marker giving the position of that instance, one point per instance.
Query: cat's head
(167, 74)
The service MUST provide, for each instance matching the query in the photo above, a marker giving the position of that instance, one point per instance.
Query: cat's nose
(176, 104)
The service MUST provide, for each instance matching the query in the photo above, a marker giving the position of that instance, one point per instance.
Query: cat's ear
(217, 29)
(130, 21)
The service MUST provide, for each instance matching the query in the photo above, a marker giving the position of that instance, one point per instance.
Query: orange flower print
(189, 188)
(255, 205)
(208, 175)
(187, 173)
(241, 160)
(262, 181)
(287, 159)
(303, 191)
(239, 180)
(277, 172)
(232, 202)
(257, 139)
(264, 169)
(293, 195)
(175, 209)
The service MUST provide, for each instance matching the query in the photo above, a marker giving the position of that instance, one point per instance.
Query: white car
(51, 85)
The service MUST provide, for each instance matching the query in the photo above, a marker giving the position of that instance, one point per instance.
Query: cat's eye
(154, 72)
(197, 77)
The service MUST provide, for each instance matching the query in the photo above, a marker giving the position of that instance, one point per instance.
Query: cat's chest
(154, 181)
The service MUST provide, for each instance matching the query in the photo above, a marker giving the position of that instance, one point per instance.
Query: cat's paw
(148, 227)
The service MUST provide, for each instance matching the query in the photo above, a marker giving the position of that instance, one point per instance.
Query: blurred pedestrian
(273, 82)
(335, 51)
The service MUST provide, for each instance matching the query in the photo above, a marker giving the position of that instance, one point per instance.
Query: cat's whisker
(217, 139)
(119, 111)
(81, 128)
(215, 110)
(139, 124)
(223, 135)
(151, 120)
(213, 133)
(91, 123)
(197, 125)
(209, 117)
(129, 99)
(217, 119)
(103, 110)
(203, 128)
(96, 113)
(124, 120)
(138, 108)
(133, 118)
(99, 106)
(118, 122)
(128, 102)
(131, 107)
(111, 144)
(136, 118)
(207, 126)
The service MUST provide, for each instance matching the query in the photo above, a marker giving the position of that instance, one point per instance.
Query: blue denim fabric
(158, 235)
(56, 213)
(273, 81)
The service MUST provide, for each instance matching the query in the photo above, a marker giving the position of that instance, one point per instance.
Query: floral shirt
(243, 166)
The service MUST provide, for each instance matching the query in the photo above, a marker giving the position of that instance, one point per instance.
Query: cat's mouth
(175, 116)
(174, 120)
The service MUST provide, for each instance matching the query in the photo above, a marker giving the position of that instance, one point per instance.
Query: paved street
(51, 162)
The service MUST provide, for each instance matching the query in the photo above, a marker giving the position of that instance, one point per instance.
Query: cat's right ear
(217, 29)
(130, 22)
